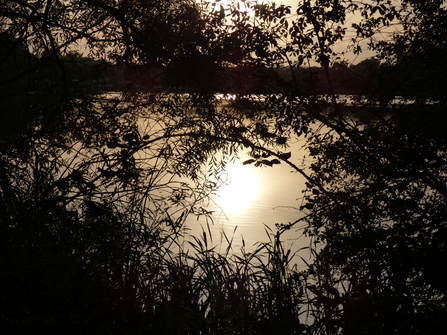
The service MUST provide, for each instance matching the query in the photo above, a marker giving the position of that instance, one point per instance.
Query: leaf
(62, 184)
(112, 144)
(285, 155)
(265, 133)
(281, 140)
(246, 143)
(205, 239)
(77, 176)
(249, 161)
(309, 205)
(221, 12)
(266, 162)
(265, 155)
(130, 137)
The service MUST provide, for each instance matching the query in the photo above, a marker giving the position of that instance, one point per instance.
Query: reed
(198, 289)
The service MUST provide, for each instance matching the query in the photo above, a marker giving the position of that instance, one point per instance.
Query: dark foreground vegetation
(95, 188)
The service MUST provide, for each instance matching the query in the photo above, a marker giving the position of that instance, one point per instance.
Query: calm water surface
(256, 197)
(253, 199)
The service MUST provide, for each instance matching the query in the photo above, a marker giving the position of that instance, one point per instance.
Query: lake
(253, 198)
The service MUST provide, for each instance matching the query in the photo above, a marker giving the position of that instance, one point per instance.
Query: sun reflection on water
(240, 190)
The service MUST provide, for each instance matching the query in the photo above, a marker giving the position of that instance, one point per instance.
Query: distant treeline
(369, 77)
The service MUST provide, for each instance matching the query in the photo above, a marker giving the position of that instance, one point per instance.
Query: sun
(240, 189)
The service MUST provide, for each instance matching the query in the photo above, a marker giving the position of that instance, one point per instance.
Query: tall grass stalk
(198, 290)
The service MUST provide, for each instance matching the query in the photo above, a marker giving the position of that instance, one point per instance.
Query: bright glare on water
(240, 190)
(251, 199)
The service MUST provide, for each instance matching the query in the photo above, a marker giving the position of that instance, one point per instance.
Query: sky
(287, 2)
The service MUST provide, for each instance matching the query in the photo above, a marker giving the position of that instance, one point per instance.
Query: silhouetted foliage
(112, 134)
(376, 193)
(95, 187)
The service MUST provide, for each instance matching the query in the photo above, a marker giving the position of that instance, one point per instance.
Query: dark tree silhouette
(95, 186)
